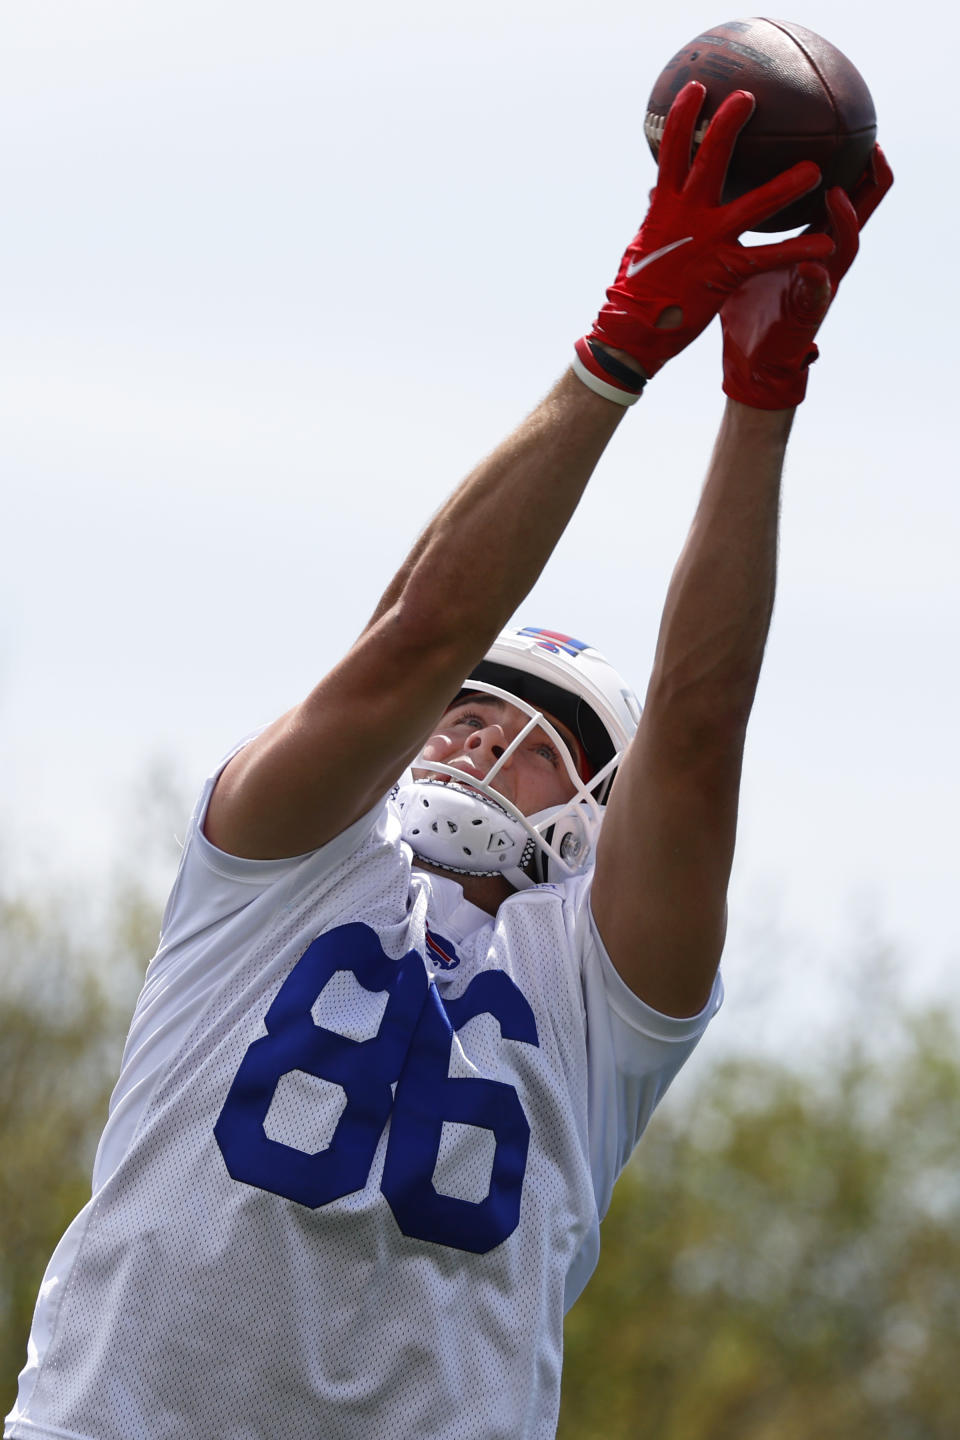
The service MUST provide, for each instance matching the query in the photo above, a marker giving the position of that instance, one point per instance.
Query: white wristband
(601, 387)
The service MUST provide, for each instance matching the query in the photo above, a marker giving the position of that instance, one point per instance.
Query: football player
(442, 935)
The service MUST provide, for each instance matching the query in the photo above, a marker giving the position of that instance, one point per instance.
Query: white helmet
(472, 828)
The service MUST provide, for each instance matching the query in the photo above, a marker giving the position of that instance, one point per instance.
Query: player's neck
(487, 892)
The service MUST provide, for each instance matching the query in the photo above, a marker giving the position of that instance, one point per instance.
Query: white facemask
(470, 828)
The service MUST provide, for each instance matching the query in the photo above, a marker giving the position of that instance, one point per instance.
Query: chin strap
(456, 828)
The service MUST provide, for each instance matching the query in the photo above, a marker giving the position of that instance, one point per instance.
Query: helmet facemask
(465, 825)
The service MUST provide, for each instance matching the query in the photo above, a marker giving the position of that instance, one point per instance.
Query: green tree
(64, 1008)
(69, 976)
(782, 1260)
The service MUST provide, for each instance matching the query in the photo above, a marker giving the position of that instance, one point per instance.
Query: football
(812, 104)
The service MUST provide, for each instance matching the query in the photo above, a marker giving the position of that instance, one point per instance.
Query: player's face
(472, 736)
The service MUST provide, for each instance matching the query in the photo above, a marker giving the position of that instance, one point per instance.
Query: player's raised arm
(665, 851)
(328, 760)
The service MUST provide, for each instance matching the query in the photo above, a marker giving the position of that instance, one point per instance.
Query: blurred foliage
(65, 1004)
(61, 1035)
(70, 971)
(781, 1260)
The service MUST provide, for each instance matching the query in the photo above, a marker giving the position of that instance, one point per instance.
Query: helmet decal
(554, 642)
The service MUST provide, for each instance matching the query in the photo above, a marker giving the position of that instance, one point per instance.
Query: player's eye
(475, 722)
(548, 752)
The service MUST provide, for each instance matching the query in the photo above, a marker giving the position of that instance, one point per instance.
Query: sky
(273, 279)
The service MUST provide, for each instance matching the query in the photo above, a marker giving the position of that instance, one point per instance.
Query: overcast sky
(274, 278)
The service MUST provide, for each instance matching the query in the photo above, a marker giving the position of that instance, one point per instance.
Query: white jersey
(355, 1161)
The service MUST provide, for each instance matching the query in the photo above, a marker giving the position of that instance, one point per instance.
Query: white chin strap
(455, 828)
(471, 829)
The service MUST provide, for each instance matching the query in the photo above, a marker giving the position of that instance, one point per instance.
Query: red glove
(770, 321)
(687, 257)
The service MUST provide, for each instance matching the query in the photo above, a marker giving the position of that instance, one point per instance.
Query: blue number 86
(411, 1050)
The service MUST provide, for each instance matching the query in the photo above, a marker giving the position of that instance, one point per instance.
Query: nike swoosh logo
(636, 266)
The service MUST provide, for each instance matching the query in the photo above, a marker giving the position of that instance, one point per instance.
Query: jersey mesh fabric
(185, 1301)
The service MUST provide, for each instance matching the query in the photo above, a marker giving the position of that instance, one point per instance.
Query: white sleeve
(211, 884)
(633, 1052)
(217, 903)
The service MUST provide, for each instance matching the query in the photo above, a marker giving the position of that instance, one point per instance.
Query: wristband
(605, 375)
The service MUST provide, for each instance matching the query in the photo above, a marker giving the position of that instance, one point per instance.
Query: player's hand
(687, 258)
(769, 322)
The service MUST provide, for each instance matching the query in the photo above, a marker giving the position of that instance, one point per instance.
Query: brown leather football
(812, 104)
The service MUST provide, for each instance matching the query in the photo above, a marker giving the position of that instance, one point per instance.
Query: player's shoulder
(547, 922)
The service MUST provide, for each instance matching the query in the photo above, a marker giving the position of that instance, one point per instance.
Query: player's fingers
(872, 186)
(880, 169)
(767, 199)
(810, 293)
(844, 229)
(749, 259)
(677, 142)
(710, 164)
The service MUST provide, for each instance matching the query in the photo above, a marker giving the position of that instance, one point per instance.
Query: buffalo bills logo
(557, 644)
(441, 952)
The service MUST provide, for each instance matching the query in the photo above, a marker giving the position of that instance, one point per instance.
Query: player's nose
(491, 741)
